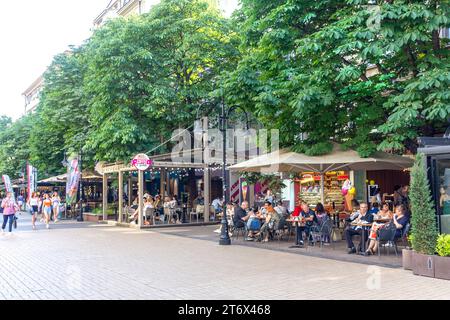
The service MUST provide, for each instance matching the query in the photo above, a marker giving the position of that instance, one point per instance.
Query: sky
(32, 32)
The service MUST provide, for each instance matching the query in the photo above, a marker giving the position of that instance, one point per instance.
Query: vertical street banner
(32, 180)
(73, 179)
(8, 185)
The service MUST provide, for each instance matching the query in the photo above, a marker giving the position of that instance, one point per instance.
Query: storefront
(438, 162)
(308, 188)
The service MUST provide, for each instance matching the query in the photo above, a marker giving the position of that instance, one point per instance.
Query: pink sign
(141, 162)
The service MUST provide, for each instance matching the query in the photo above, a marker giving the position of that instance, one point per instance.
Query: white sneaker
(48, 226)
(34, 227)
(217, 231)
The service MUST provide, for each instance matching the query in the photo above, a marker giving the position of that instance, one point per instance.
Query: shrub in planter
(423, 220)
(442, 262)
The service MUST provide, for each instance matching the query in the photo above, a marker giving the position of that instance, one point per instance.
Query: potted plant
(407, 255)
(442, 261)
(423, 221)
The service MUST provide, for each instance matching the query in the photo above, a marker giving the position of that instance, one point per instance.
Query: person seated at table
(362, 216)
(149, 210)
(322, 216)
(374, 209)
(399, 219)
(271, 221)
(158, 204)
(304, 218)
(253, 224)
(385, 213)
(240, 215)
(230, 214)
(217, 204)
(282, 209)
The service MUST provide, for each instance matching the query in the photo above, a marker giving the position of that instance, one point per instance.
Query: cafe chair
(387, 235)
(279, 229)
(236, 230)
(404, 238)
(150, 215)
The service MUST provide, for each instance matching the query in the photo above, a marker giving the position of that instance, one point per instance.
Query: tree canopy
(367, 74)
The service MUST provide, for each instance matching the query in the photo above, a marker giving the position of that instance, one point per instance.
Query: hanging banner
(8, 185)
(32, 180)
(73, 179)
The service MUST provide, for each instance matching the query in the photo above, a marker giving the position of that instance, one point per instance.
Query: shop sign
(343, 177)
(141, 162)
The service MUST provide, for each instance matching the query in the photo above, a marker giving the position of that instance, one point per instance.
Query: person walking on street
(9, 210)
(47, 209)
(56, 200)
(34, 208)
(20, 201)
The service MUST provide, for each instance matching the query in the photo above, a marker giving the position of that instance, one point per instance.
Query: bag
(336, 235)
(15, 222)
(255, 224)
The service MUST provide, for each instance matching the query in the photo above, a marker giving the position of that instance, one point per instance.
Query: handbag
(255, 224)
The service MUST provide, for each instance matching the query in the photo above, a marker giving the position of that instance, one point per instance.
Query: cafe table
(363, 240)
(297, 245)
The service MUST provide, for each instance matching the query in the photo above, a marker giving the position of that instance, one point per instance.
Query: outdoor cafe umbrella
(339, 159)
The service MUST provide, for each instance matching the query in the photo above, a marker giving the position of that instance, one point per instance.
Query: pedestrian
(20, 201)
(56, 200)
(47, 209)
(33, 203)
(9, 211)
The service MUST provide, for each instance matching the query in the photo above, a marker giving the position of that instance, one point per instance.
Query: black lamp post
(225, 114)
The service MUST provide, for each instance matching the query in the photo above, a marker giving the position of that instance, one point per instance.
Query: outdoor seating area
(379, 233)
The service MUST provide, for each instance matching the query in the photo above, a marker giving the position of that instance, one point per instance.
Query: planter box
(407, 259)
(90, 217)
(423, 264)
(442, 267)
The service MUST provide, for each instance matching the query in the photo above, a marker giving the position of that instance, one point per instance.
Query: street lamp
(225, 114)
(224, 236)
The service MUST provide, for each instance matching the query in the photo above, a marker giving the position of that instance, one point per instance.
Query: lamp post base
(225, 242)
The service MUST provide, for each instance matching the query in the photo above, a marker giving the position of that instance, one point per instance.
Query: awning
(339, 159)
(87, 175)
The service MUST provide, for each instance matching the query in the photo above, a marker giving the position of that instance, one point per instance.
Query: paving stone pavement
(93, 261)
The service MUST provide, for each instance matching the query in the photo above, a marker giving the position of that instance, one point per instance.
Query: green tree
(61, 121)
(351, 71)
(14, 151)
(424, 231)
(146, 75)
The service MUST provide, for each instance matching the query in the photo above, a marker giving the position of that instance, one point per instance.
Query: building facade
(125, 8)
(32, 94)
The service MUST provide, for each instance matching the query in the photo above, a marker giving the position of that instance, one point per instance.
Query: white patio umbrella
(339, 159)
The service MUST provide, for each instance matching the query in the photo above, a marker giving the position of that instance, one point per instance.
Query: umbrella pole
(322, 192)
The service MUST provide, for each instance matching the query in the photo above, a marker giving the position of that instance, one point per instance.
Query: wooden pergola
(164, 166)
